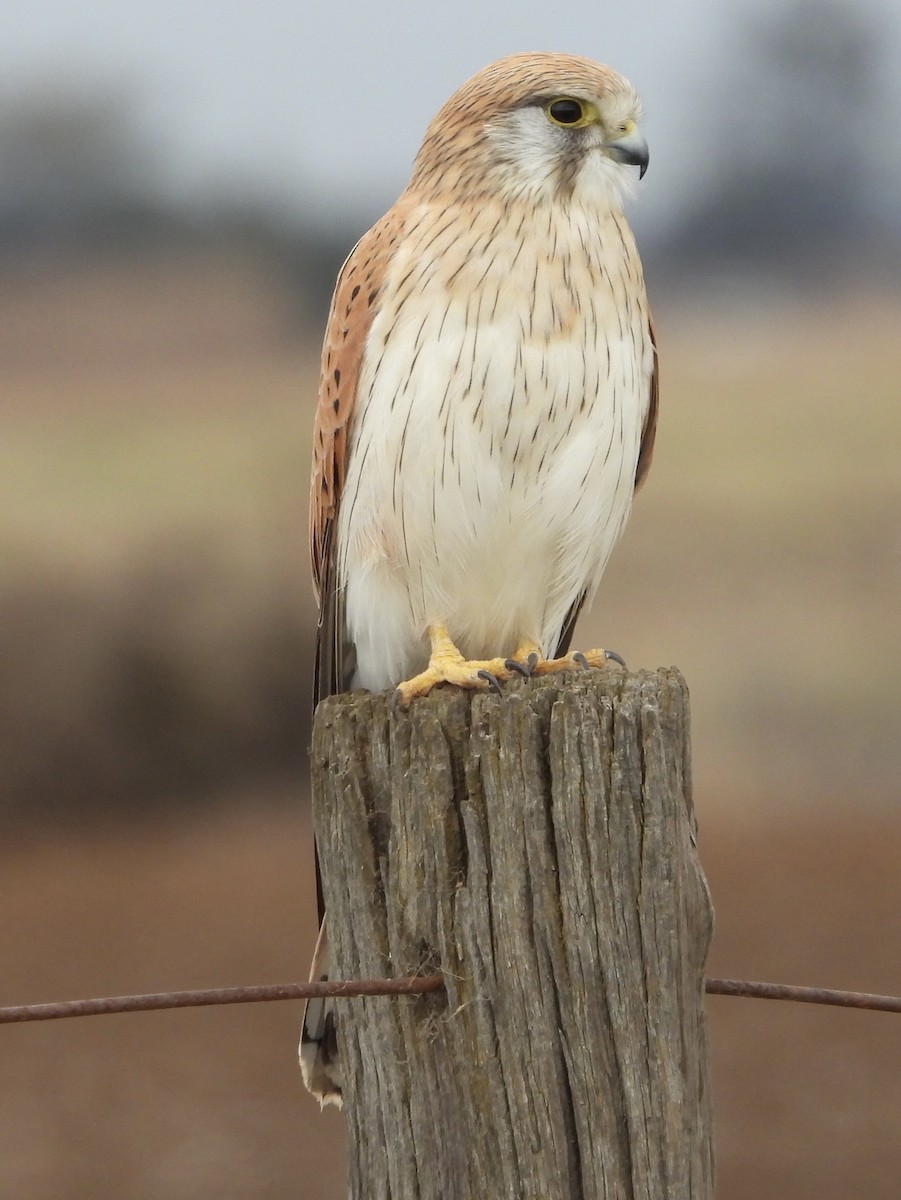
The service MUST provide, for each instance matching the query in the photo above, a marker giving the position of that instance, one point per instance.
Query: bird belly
(496, 545)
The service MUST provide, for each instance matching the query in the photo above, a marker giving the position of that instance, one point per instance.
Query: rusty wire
(803, 995)
(411, 985)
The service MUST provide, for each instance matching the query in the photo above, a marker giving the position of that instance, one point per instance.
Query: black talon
(582, 661)
(492, 681)
(525, 669)
(612, 656)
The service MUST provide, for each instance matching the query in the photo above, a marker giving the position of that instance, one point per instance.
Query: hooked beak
(631, 149)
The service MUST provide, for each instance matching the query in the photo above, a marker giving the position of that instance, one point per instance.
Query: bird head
(535, 127)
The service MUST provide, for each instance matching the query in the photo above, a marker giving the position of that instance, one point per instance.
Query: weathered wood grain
(539, 850)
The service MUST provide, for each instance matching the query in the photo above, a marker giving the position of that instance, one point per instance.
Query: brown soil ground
(209, 1103)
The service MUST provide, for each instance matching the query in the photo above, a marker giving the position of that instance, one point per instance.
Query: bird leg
(447, 665)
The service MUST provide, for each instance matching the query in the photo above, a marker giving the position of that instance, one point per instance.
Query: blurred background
(178, 186)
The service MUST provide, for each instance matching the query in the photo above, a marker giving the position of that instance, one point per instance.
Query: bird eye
(568, 112)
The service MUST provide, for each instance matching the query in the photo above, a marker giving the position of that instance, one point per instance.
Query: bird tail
(318, 1042)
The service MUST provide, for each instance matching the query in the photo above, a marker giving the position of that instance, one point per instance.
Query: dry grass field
(155, 634)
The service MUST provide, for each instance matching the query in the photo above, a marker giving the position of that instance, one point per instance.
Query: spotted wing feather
(649, 432)
(645, 454)
(353, 306)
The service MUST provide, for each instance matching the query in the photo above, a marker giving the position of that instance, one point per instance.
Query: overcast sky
(324, 104)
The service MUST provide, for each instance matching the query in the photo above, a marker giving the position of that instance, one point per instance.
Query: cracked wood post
(539, 850)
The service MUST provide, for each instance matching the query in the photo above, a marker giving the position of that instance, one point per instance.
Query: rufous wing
(354, 305)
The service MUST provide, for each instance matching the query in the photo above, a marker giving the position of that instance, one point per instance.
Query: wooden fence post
(538, 849)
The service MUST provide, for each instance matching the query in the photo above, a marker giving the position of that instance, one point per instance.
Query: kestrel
(487, 401)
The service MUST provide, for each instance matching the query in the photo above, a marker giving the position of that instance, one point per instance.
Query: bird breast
(503, 388)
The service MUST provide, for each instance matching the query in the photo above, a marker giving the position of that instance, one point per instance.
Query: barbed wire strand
(411, 985)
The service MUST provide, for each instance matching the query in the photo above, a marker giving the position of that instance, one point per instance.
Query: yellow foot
(447, 665)
(528, 662)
